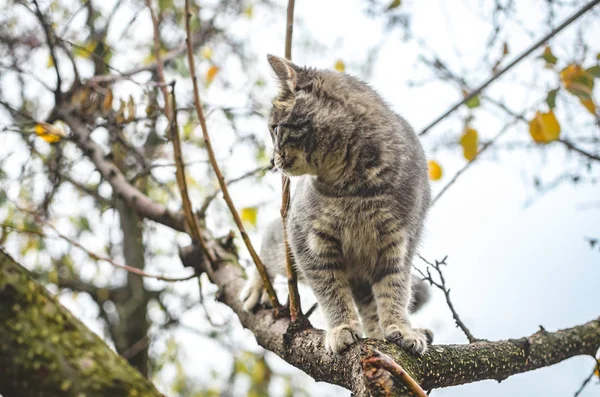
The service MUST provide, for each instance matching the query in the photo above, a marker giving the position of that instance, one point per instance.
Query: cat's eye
(276, 129)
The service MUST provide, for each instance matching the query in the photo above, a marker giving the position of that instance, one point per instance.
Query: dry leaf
(544, 127)
(469, 141)
(435, 170)
(211, 73)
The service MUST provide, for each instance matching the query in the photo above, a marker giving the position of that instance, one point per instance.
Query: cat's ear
(286, 72)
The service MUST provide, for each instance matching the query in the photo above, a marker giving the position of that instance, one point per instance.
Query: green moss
(43, 342)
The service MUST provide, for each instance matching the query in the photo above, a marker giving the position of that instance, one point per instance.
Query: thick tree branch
(45, 351)
(441, 366)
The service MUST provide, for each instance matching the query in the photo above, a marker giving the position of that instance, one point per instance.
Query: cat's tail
(421, 293)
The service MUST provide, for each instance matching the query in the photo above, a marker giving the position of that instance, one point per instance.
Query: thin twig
(159, 64)
(190, 217)
(294, 295)
(213, 162)
(92, 255)
(442, 286)
(521, 117)
(483, 148)
(50, 38)
(213, 195)
(515, 62)
(171, 113)
(383, 361)
(574, 148)
(589, 378)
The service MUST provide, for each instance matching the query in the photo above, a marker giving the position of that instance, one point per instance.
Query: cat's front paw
(414, 340)
(340, 338)
(252, 294)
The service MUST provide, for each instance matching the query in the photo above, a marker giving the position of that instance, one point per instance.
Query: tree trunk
(132, 325)
(45, 351)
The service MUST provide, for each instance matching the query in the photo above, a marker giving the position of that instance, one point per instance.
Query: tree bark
(46, 352)
(442, 366)
(132, 325)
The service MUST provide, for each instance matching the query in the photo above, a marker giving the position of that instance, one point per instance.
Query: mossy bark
(45, 351)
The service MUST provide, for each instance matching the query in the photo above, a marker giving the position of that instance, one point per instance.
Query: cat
(358, 209)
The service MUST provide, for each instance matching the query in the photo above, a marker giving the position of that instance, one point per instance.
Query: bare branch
(587, 380)
(50, 40)
(213, 195)
(574, 148)
(213, 162)
(442, 286)
(92, 255)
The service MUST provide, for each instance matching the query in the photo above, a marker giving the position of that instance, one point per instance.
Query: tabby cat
(358, 209)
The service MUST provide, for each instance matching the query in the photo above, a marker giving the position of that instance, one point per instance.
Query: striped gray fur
(358, 209)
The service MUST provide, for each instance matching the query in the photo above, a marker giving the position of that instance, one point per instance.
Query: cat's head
(314, 117)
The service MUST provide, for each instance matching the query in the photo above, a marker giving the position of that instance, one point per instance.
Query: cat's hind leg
(367, 309)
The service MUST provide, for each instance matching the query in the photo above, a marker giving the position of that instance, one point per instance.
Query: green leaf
(548, 56)
(394, 4)
(551, 98)
(473, 102)
(595, 71)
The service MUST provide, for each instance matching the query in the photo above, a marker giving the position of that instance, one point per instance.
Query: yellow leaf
(435, 170)
(544, 127)
(249, 11)
(53, 277)
(87, 50)
(211, 73)
(340, 66)
(48, 133)
(577, 81)
(207, 52)
(589, 105)
(130, 109)
(469, 141)
(249, 215)
(107, 102)
(596, 371)
(50, 62)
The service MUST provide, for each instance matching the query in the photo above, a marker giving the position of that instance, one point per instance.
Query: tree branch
(50, 40)
(42, 341)
(442, 286)
(139, 202)
(441, 366)
(215, 166)
(515, 62)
